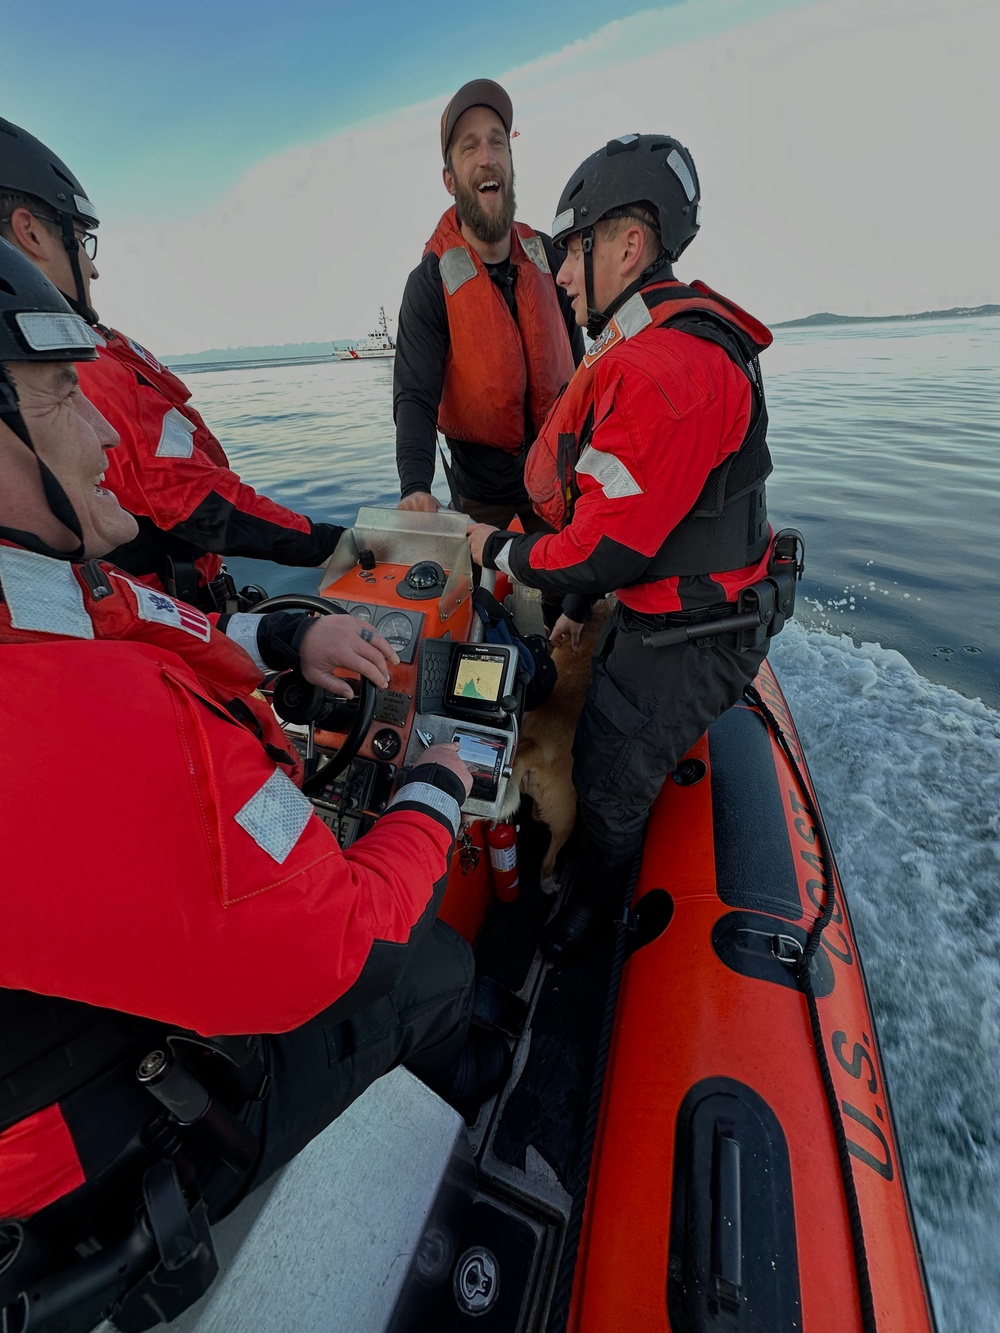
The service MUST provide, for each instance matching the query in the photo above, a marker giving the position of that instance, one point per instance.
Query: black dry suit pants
(318, 1070)
(645, 708)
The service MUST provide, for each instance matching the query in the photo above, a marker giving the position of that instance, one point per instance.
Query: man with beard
(486, 340)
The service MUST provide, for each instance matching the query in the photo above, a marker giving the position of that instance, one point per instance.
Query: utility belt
(161, 1258)
(664, 620)
(757, 615)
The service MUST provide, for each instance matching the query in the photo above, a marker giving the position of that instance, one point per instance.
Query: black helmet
(637, 168)
(28, 167)
(37, 324)
(625, 170)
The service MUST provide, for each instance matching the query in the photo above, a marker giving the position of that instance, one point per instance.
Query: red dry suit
(160, 859)
(653, 461)
(495, 366)
(173, 474)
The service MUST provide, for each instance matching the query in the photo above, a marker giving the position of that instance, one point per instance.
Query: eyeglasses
(86, 239)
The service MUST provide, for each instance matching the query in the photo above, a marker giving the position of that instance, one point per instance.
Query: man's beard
(489, 227)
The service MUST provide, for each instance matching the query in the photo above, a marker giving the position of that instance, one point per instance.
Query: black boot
(573, 930)
(483, 1067)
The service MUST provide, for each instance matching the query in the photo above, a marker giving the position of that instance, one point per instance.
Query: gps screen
(478, 678)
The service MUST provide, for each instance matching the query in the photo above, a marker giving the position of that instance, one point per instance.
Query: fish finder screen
(479, 677)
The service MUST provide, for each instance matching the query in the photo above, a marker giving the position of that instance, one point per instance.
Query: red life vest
(210, 895)
(178, 426)
(169, 462)
(158, 861)
(496, 367)
(549, 470)
(142, 362)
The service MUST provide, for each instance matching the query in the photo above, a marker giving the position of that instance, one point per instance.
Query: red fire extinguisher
(501, 839)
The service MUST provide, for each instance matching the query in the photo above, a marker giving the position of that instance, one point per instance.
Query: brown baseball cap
(478, 92)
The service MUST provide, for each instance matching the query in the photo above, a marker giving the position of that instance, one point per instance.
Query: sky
(270, 174)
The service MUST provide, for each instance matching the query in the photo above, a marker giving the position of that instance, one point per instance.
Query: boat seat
(356, 1234)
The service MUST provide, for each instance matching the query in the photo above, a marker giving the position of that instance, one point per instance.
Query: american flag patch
(155, 605)
(146, 355)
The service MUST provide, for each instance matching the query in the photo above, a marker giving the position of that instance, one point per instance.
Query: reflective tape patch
(242, 629)
(157, 606)
(85, 208)
(276, 816)
(176, 436)
(502, 559)
(680, 169)
(49, 331)
(633, 316)
(610, 472)
(457, 267)
(562, 222)
(535, 250)
(423, 793)
(43, 594)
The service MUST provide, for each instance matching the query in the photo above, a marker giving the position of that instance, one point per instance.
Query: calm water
(886, 442)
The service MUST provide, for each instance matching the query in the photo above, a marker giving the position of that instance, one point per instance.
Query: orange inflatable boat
(696, 1135)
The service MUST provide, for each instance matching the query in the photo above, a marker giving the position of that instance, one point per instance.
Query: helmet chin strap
(57, 499)
(597, 320)
(72, 244)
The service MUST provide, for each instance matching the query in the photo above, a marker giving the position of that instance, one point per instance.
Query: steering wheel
(317, 779)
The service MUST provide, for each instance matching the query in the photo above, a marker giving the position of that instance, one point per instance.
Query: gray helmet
(625, 170)
(28, 167)
(37, 324)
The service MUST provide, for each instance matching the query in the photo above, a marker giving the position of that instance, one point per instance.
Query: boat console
(409, 575)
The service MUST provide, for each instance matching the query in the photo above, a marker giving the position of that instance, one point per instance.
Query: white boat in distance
(377, 344)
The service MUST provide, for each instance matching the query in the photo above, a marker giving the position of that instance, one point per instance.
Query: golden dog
(543, 764)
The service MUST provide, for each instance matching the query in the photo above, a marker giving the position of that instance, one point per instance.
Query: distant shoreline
(290, 352)
(270, 352)
(825, 317)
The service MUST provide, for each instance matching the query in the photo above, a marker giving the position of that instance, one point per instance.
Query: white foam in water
(908, 776)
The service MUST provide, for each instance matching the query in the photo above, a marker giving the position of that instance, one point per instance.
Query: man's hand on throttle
(420, 502)
(478, 532)
(446, 755)
(344, 641)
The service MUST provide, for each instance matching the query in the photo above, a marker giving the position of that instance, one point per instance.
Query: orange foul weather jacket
(176, 872)
(173, 474)
(496, 367)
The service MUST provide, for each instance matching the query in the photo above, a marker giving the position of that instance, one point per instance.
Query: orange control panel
(373, 595)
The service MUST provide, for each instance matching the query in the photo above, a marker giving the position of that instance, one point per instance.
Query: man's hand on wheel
(345, 641)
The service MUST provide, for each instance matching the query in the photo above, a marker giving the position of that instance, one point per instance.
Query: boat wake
(908, 775)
